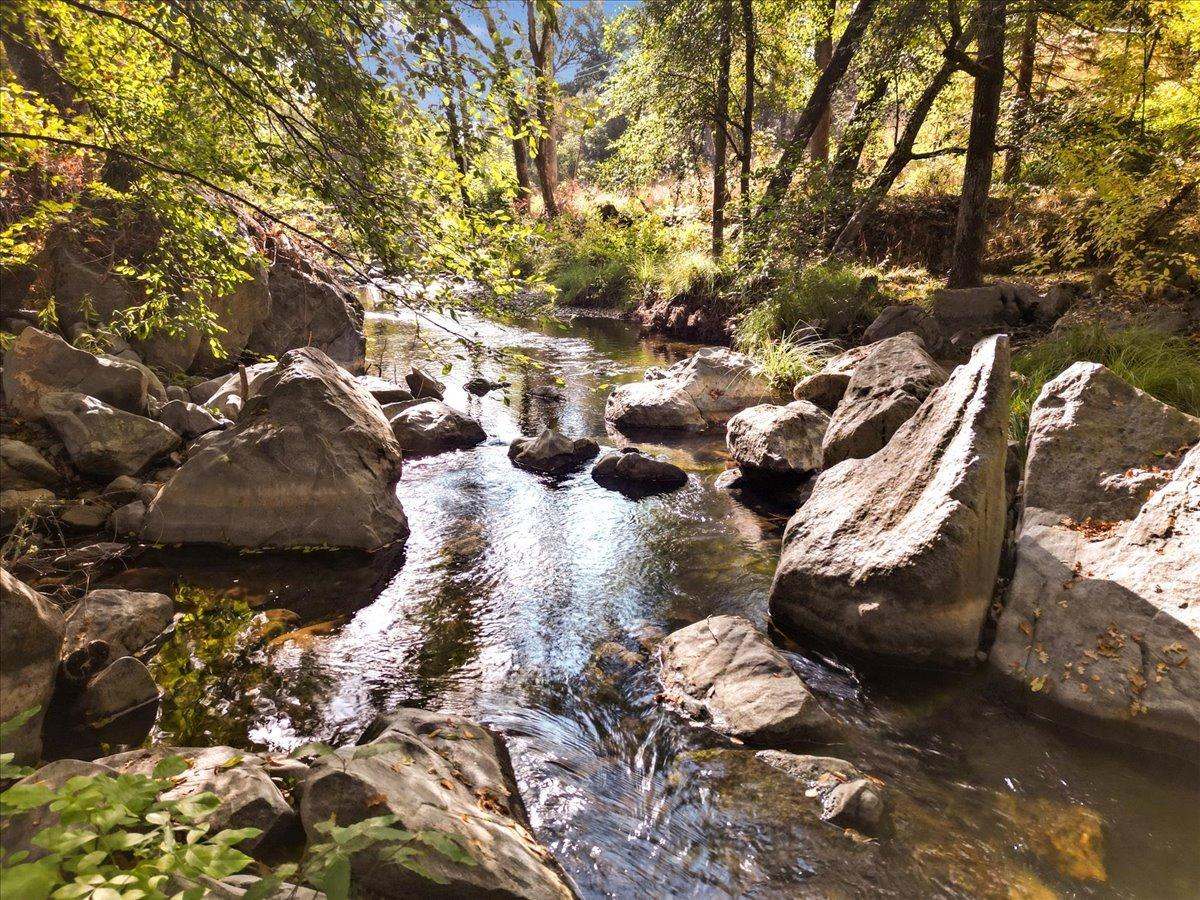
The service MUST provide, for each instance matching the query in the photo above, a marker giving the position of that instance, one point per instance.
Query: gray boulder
(827, 387)
(189, 420)
(904, 317)
(384, 391)
(22, 468)
(103, 441)
(30, 647)
(311, 462)
(122, 489)
(847, 797)
(126, 620)
(888, 385)
(422, 385)
(551, 452)
(895, 557)
(777, 440)
(87, 516)
(249, 798)
(127, 520)
(432, 427)
(1101, 626)
(177, 392)
(659, 403)
(632, 468)
(122, 687)
(434, 772)
(724, 671)
(39, 364)
(223, 396)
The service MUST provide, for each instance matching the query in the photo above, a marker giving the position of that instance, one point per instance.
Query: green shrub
(1166, 367)
(830, 295)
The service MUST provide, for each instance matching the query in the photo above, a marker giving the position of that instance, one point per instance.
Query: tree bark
(970, 236)
(818, 146)
(854, 136)
(516, 119)
(818, 101)
(747, 110)
(1024, 95)
(541, 48)
(720, 119)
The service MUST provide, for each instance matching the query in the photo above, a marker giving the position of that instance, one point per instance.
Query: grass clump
(1165, 366)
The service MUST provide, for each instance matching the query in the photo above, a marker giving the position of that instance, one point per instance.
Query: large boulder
(888, 385)
(119, 688)
(777, 440)
(249, 798)
(827, 387)
(1101, 626)
(895, 556)
(432, 427)
(435, 772)
(103, 441)
(310, 307)
(722, 670)
(904, 317)
(23, 468)
(39, 364)
(126, 620)
(704, 389)
(239, 313)
(311, 462)
(551, 452)
(30, 645)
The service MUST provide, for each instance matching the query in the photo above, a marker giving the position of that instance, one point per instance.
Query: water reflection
(534, 605)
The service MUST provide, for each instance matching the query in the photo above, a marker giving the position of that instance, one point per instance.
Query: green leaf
(313, 748)
(448, 845)
(31, 881)
(335, 879)
(170, 766)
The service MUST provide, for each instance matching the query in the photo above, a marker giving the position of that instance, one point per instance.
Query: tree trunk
(902, 153)
(454, 132)
(855, 135)
(541, 48)
(720, 118)
(1024, 92)
(970, 236)
(818, 102)
(747, 111)
(516, 119)
(818, 146)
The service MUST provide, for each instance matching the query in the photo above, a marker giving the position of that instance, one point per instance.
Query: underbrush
(1164, 366)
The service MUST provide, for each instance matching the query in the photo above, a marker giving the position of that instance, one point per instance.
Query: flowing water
(534, 605)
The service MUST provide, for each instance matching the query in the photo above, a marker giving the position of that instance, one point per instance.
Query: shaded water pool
(534, 604)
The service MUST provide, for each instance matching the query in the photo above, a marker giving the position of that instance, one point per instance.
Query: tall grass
(832, 297)
(1164, 366)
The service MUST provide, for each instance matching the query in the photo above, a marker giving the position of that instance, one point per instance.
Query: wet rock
(311, 427)
(85, 516)
(23, 468)
(189, 420)
(481, 386)
(632, 468)
(777, 440)
(122, 687)
(905, 317)
(1101, 626)
(103, 441)
(126, 620)
(249, 799)
(551, 452)
(847, 797)
(384, 391)
(30, 647)
(723, 670)
(888, 385)
(653, 404)
(424, 385)
(39, 364)
(14, 505)
(896, 556)
(435, 772)
(432, 427)
(827, 387)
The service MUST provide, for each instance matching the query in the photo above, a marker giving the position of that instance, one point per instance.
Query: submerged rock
(777, 440)
(889, 384)
(551, 452)
(896, 556)
(432, 426)
(30, 646)
(435, 772)
(632, 468)
(311, 462)
(39, 364)
(1102, 619)
(847, 797)
(103, 441)
(723, 670)
(482, 386)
